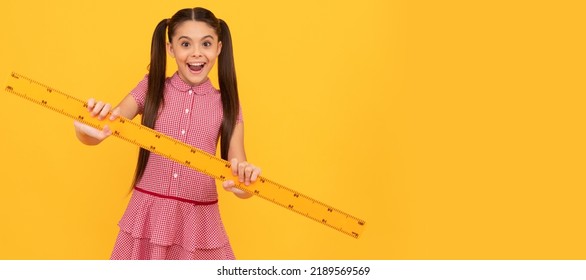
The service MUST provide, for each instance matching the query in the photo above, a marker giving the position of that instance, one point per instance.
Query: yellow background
(454, 128)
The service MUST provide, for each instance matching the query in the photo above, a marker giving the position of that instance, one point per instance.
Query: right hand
(100, 110)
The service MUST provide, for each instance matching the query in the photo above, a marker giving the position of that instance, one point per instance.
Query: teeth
(197, 64)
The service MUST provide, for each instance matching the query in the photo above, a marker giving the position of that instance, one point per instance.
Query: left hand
(247, 173)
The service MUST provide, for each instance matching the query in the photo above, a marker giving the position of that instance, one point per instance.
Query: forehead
(194, 30)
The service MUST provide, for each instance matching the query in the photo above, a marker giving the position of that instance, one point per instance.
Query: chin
(192, 79)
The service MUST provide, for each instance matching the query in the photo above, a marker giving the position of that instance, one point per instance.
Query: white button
(190, 92)
(175, 175)
(183, 131)
(186, 111)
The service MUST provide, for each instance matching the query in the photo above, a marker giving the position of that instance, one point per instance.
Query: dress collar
(201, 89)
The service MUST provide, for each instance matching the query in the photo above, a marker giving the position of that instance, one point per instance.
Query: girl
(173, 212)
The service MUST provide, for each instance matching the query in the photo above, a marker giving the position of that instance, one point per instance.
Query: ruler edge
(238, 185)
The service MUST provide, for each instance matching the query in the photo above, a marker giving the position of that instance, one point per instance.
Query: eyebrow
(203, 38)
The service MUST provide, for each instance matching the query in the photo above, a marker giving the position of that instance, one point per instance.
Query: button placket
(184, 120)
(184, 123)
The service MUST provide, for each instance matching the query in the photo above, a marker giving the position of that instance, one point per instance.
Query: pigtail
(157, 71)
(156, 87)
(228, 88)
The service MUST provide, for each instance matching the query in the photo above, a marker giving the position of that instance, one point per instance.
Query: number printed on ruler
(180, 152)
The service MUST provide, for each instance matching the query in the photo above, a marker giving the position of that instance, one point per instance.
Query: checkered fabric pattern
(156, 226)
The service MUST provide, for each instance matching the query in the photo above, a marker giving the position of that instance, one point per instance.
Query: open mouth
(196, 67)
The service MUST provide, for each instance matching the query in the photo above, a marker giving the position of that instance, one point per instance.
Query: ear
(170, 49)
(219, 47)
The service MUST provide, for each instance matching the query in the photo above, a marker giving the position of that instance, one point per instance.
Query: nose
(196, 52)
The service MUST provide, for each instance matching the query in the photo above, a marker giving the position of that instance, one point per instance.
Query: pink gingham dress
(173, 212)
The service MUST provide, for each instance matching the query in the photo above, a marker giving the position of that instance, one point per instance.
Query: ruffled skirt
(161, 228)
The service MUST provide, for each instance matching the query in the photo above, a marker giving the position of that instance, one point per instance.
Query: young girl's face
(195, 47)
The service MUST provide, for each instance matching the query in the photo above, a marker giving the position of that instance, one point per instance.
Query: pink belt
(194, 202)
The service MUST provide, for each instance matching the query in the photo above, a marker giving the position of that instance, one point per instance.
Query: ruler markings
(185, 154)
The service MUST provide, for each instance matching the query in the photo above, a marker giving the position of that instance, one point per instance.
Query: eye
(185, 44)
(207, 44)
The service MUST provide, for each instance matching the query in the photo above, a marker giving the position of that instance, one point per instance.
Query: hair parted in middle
(158, 67)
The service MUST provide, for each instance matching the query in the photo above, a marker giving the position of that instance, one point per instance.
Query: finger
(115, 113)
(237, 190)
(247, 173)
(90, 104)
(228, 184)
(234, 166)
(104, 112)
(97, 108)
(255, 174)
(106, 131)
(241, 167)
(85, 129)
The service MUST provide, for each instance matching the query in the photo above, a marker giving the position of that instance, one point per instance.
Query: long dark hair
(156, 79)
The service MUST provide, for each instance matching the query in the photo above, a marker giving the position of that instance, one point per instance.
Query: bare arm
(246, 172)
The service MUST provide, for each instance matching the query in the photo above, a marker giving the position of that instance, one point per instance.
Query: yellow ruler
(180, 152)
